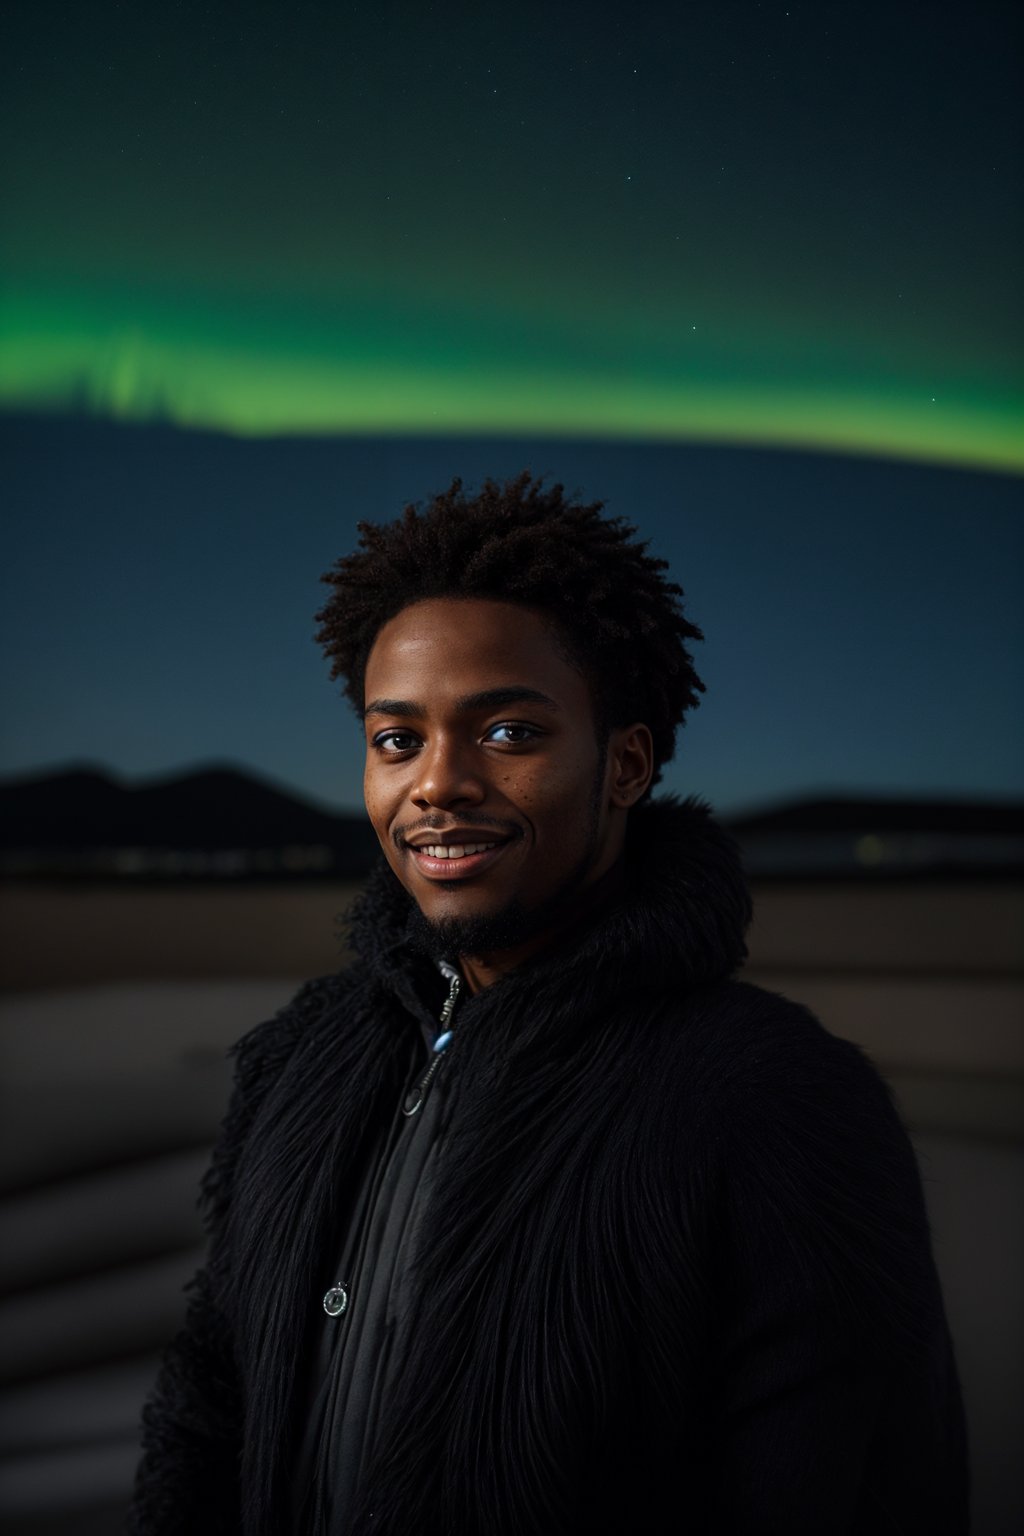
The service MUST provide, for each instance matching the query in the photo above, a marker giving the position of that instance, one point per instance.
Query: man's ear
(630, 765)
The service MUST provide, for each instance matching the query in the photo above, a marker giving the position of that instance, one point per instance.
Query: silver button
(336, 1300)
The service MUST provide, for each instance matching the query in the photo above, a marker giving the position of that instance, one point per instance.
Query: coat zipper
(336, 1299)
(414, 1098)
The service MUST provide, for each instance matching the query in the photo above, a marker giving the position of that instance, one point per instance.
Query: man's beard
(446, 938)
(476, 936)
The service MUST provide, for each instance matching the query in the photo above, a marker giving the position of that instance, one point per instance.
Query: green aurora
(151, 364)
(783, 234)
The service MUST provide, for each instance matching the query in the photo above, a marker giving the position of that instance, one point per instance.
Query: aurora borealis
(751, 223)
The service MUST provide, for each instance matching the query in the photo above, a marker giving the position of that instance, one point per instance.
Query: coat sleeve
(187, 1480)
(838, 1408)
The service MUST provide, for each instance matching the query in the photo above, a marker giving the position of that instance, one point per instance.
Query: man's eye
(395, 741)
(511, 733)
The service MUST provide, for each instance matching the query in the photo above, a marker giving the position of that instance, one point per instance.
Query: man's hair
(619, 621)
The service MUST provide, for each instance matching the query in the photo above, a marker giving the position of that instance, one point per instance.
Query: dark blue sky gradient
(863, 618)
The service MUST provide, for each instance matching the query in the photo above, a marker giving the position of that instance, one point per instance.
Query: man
(534, 1220)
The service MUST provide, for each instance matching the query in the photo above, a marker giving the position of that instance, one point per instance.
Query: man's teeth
(454, 850)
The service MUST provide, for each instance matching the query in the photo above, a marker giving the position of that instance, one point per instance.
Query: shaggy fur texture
(676, 1275)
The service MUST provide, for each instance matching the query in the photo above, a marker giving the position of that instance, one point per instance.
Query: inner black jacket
(676, 1275)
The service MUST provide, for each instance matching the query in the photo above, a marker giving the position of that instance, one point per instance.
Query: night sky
(796, 223)
(864, 629)
(269, 269)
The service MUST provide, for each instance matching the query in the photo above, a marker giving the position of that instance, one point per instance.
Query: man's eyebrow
(497, 698)
(392, 707)
(487, 698)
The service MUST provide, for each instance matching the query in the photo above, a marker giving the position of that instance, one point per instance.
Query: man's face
(484, 779)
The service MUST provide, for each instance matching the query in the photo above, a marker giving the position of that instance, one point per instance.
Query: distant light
(870, 849)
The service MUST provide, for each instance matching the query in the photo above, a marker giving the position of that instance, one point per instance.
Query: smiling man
(535, 1219)
(497, 807)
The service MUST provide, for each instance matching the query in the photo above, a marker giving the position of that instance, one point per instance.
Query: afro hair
(619, 621)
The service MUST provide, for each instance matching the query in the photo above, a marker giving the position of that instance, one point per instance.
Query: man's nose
(448, 775)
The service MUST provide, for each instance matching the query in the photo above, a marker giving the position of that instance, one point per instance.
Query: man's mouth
(456, 861)
(453, 850)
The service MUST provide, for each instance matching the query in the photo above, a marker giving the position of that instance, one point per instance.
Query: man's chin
(473, 934)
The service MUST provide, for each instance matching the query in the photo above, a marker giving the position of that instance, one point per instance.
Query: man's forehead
(467, 632)
(467, 654)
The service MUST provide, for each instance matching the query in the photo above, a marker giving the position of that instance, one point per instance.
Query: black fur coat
(677, 1275)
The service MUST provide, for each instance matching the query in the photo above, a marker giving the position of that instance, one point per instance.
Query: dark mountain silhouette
(225, 823)
(883, 838)
(948, 817)
(82, 818)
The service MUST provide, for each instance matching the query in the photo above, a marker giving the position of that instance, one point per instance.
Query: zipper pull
(454, 987)
(414, 1098)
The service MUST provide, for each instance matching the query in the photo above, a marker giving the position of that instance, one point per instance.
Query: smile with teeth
(454, 850)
